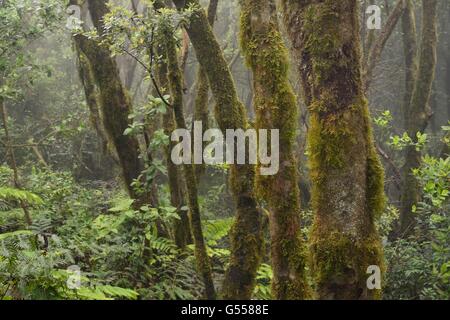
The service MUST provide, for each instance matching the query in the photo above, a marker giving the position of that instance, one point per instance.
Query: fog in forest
(320, 168)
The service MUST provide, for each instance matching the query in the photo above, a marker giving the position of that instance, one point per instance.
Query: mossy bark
(201, 107)
(230, 113)
(91, 94)
(418, 112)
(114, 101)
(176, 91)
(276, 108)
(346, 173)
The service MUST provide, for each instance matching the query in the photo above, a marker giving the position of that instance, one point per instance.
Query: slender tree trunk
(347, 176)
(230, 113)
(276, 108)
(410, 51)
(12, 159)
(377, 48)
(91, 94)
(176, 90)
(182, 228)
(418, 112)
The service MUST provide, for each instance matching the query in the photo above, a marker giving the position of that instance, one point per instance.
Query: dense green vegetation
(92, 208)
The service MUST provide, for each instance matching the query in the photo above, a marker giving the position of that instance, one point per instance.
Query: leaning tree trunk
(276, 108)
(201, 106)
(230, 113)
(417, 113)
(91, 95)
(347, 176)
(114, 102)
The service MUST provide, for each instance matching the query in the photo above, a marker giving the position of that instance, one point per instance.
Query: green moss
(376, 198)
(340, 262)
(176, 90)
(322, 38)
(276, 108)
(230, 113)
(115, 107)
(346, 173)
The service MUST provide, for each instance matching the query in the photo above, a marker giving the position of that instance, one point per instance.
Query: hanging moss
(276, 108)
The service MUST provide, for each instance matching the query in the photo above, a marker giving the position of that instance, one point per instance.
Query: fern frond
(13, 194)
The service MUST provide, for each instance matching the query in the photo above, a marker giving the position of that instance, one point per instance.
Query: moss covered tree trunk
(276, 108)
(91, 94)
(176, 91)
(418, 112)
(230, 113)
(201, 107)
(11, 158)
(346, 174)
(114, 102)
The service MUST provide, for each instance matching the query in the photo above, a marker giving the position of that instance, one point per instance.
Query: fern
(117, 292)
(12, 194)
(215, 230)
(161, 244)
(18, 233)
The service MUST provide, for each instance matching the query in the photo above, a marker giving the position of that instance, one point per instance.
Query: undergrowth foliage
(88, 240)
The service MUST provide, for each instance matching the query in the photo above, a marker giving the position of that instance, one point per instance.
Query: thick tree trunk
(276, 108)
(176, 90)
(246, 238)
(418, 112)
(347, 176)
